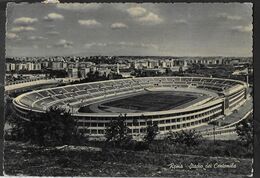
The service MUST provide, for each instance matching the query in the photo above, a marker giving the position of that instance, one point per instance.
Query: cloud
(79, 6)
(180, 21)
(151, 19)
(64, 44)
(89, 23)
(138, 45)
(118, 25)
(48, 46)
(50, 26)
(51, 1)
(136, 11)
(226, 16)
(122, 45)
(22, 29)
(24, 21)
(36, 38)
(91, 45)
(144, 16)
(245, 29)
(53, 16)
(52, 33)
(12, 36)
(35, 46)
(149, 45)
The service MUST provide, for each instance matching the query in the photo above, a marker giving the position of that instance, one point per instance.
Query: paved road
(235, 116)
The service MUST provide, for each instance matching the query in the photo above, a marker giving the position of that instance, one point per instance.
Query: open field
(26, 159)
(147, 102)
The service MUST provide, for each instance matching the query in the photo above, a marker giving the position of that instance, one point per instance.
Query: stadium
(174, 103)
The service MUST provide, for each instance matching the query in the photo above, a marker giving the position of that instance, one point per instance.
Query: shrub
(245, 132)
(189, 138)
(151, 132)
(53, 128)
(134, 145)
(117, 132)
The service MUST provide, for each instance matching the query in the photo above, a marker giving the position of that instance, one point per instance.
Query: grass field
(152, 101)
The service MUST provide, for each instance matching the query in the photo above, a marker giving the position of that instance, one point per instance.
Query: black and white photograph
(129, 89)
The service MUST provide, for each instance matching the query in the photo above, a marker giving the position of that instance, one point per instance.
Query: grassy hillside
(25, 159)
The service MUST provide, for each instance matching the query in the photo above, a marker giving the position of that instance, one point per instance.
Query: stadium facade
(224, 96)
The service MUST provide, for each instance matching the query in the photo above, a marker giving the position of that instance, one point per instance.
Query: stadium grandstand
(186, 102)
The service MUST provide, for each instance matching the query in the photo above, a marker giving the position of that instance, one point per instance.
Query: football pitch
(146, 102)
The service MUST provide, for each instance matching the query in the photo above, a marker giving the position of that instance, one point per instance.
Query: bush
(53, 128)
(117, 132)
(134, 145)
(245, 132)
(189, 138)
(151, 132)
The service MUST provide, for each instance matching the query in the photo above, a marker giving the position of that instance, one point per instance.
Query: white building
(33, 66)
(73, 72)
(10, 67)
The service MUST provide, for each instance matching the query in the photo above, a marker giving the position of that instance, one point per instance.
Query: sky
(130, 29)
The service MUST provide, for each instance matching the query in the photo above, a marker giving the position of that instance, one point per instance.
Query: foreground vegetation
(27, 159)
(49, 145)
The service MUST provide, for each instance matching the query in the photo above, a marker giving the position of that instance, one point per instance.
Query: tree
(245, 132)
(168, 72)
(151, 132)
(53, 128)
(117, 131)
(79, 74)
(135, 122)
(8, 107)
(181, 70)
(112, 76)
(57, 73)
(189, 137)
